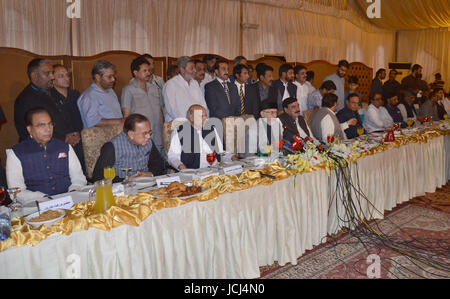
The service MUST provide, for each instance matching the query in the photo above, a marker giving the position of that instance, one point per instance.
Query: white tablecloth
(233, 236)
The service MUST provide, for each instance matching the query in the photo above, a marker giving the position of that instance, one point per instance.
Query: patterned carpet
(423, 222)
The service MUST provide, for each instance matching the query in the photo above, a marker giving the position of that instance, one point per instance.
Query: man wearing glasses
(133, 148)
(42, 165)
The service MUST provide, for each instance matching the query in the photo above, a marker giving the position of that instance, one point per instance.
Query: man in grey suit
(222, 96)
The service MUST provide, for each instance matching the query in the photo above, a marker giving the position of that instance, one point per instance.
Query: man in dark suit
(222, 96)
(241, 74)
(293, 123)
(37, 94)
(260, 91)
(286, 89)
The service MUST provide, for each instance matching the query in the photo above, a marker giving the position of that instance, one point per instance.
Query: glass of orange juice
(109, 173)
(360, 131)
(410, 122)
(104, 198)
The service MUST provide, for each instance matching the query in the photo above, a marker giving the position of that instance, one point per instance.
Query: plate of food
(48, 218)
(178, 190)
(144, 180)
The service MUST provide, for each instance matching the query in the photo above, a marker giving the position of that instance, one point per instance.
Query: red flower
(330, 139)
(279, 144)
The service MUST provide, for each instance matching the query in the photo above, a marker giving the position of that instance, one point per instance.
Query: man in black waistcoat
(193, 140)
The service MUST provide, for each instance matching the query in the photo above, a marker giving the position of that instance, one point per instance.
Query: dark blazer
(32, 97)
(217, 100)
(290, 128)
(292, 90)
(253, 99)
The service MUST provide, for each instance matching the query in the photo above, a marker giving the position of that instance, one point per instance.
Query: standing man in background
(338, 79)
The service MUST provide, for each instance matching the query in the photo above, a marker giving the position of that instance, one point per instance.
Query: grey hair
(100, 68)
(183, 61)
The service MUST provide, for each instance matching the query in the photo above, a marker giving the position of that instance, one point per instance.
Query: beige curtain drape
(162, 28)
(39, 26)
(301, 30)
(305, 36)
(429, 48)
(410, 14)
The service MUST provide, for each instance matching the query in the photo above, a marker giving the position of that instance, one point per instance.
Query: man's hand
(181, 167)
(141, 174)
(234, 158)
(352, 122)
(73, 138)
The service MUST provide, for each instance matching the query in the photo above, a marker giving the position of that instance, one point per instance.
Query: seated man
(99, 105)
(193, 140)
(293, 123)
(133, 148)
(314, 100)
(42, 165)
(394, 112)
(377, 118)
(351, 116)
(406, 105)
(325, 123)
(268, 130)
(430, 107)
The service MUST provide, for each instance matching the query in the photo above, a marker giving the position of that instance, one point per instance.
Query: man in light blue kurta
(99, 105)
(339, 80)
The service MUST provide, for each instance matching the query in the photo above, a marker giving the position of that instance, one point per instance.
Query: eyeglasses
(43, 126)
(145, 134)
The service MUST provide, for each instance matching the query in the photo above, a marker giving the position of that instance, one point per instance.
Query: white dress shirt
(286, 92)
(14, 176)
(174, 153)
(303, 133)
(179, 96)
(446, 103)
(377, 119)
(311, 87)
(238, 85)
(404, 113)
(302, 96)
(327, 127)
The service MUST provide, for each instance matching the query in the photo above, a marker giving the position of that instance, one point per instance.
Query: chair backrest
(308, 116)
(234, 126)
(93, 140)
(167, 132)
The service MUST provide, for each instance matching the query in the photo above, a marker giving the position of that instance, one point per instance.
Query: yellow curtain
(305, 36)
(410, 14)
(429, 48)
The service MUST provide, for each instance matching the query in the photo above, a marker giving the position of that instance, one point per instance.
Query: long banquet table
(232, 236)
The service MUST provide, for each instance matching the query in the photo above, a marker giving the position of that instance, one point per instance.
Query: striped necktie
(241, 93)
(227, 91)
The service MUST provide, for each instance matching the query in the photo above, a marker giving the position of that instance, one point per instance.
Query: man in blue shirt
(99, 105)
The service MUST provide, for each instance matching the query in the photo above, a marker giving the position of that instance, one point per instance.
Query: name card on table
(164, 182)
(64, 203)
(235, 169)
(118, 190)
